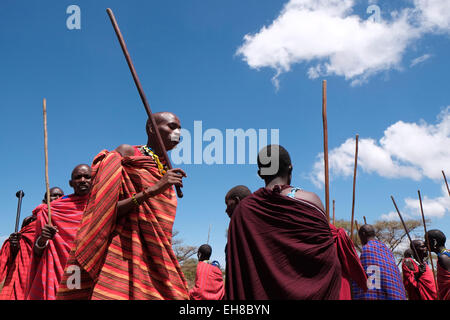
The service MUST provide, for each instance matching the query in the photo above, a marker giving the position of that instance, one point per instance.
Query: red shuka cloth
(280, 248)
(46, 271)
(352, 268)
(15, 280)
(443, 280)
(424, 288)
(208, 283)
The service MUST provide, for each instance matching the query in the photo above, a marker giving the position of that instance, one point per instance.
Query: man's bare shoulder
(125, 150)
(444, 261)
(308, 196)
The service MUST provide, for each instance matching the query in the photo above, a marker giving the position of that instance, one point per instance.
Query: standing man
(384, 280)
(124, 246)
(437, 245)
(53, 241)
(279, 241)
(208, 278)
(417, 276)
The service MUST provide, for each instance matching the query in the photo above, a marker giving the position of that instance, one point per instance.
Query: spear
(333, 213)
(445, 179)
(47, 185)
(20, 194)
(142, 94)
(428, 241)
(354, 185)
(325, 146)
(406, 229)
(365, 221)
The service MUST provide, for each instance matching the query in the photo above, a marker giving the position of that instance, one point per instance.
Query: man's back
(384, 280)
(280, 248)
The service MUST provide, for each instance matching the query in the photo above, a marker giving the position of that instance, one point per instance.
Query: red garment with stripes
(422, 289)
(46, 271)
(351, 266)
(443, 280)
(208, 283)
(130, 258)
(15, 282)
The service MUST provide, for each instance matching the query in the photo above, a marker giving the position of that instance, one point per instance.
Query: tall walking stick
(428, 242)
(47, 185)
(445, 179)
(333, 213)
(354, 185)
(325, 147)
(142, 94)
(20, 194)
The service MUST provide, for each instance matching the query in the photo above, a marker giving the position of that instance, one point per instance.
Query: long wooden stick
(47, 185)
(445, 179)
(325, 147)
(428, 241)
(406, 229)
(354, 186)
(334, 220)
(141, 93)
(365, 221)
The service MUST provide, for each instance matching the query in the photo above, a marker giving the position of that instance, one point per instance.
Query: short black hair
(205, 250)
(239, 191)
(276, 160)
(438, 235)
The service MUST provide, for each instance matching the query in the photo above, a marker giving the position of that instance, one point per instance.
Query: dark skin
(422, 252)
(14, 238)
(231, 203)
(169, 127)
(366, 233)
(55, 193)
(285, 179)
(81, 182)
(443, 260)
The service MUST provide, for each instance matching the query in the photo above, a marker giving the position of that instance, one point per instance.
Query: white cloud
(407, 150)
(327, 35)
(420, 59)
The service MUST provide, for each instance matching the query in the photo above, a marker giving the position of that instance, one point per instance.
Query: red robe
(46, 271)
(15, 279)
(351, 266)
(443, 280)
(208, 283)
(280, 248)
(424, 288)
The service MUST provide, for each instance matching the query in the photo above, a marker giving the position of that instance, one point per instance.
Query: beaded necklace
(149, 152)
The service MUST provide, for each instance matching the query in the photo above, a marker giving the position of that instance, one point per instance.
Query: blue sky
(237, 64)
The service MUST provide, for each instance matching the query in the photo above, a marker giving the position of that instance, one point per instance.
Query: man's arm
(444, 262)
(48, 233)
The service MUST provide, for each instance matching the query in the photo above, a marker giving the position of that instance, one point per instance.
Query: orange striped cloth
(130, 258)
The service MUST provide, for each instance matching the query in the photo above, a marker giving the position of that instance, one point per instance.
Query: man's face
(170, 129)
(231, 205)
(55, 193)
(421, 248)
(81, 180)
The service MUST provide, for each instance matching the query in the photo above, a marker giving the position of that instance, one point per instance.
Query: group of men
(112, 239)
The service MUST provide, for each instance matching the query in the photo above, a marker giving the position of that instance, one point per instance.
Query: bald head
(81, 180)
(366, 233)
(169, 127)
(55, 193)
(204, 252)
(234, 196)
(419, 247)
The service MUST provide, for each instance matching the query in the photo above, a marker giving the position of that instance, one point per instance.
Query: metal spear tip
(20, 194)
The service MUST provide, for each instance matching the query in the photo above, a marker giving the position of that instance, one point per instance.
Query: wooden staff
(365, 221)
(47, 185)
(142, 94)
(354, 185)
(357, 226)
(406, 229)
(428, 241)
(333, 214)
(445, 179)
(19, 194)
(325, 147)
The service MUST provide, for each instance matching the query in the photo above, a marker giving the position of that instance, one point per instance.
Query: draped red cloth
(351, 266)
(280, 248)
(443, 280)
(208, 283)
(46, 271)
(422, 289)
(15, 281)
(130, 258)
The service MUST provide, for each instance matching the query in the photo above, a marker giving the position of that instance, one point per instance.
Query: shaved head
(169, 127)
(366, 233)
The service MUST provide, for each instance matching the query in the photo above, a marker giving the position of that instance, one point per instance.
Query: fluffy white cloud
(407, 150)
(326, 34)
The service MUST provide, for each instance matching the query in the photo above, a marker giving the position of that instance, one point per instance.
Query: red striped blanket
(46, 271)
(209, 283)
(130, 258)
(15, 282)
